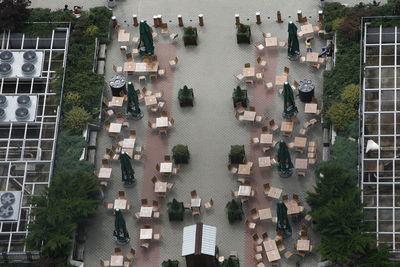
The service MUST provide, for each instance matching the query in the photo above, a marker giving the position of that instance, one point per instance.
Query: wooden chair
(193, 194)
(259, 75)
(239, 108)
(247, 65)
(259, 46)
(121, 194)
(164, 28)
(258, 249)
(296, 197)
(286, 70)
(239, 117)
(175, 170)
(232, 169)
(295, 85)
(258, 257)
(161, 72)
(239, 77)
(173, 62)
(269, 85)
(288, 255)
(131, 254)
(250, 225)
(173, 36)
(117, 69)
(267, 187)
(265, 236)
(171, 122)
(104, 263)
(143, 201)
(154, 180)
(157, 236)
(259, 118)
(145, 245)
(252, 108)
(234, 194)
(159, 94)
(254, 214)
(151, 125)
(108, 205)
(273, 125)
(105, 163)
(257, 240)
(167, 158)
(264, 130)
(164, 113)
(285, 198)
(261, 62)
(280, 246)
(254, 140)
(260, 264)
(117, 251)
(209, 204)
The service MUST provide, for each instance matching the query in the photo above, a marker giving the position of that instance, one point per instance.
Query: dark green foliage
(186, 96)
(68, 202)
(180, 153)
(376, 257)
(352, 130)
(190, 36)
(237, 154)
(235, 210)
(243, 34)
(240, 96)
(170, 263)
(230, 262)
(332, 11)
(176, 210)
(345, 153)
(13, 14)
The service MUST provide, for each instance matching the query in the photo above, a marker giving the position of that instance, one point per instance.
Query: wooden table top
(301, 163)
(105, 173)
(115, 127)
(270, 245)
(150, 100)
(249, 115)
(287, 126)
(265, 214)
(161, 122)
(264, 161)
(117, 260)
(116, 101)
(120, 204)
(273, 255)
(310, 108)
(303, 245)
(275, 192)
(166, 167)
(280, 79)
(160, 187)
(266, 139)
(128, 142)
(146, 212)
(300, 142)
(249, 72)
(271, 41)
(146, 233)
(244, 190)
(244, 169)
(312, 57)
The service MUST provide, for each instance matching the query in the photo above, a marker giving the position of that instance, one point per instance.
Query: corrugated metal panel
(189, 240)
(208, 240)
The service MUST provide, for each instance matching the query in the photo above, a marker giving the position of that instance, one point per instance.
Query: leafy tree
(170, 263)
(231, 262)
(345, 153)
(235, 210)
(337, 22)
(13, 14)
(341, 115)
(376, 257)
(76, 119)
(351, 95)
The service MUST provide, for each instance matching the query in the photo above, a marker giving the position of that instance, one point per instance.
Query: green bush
(239, 96)
(176, 210)
(170, 263)
(336, 23)
(333, 10)
(235, 210)
(180, 153)
(13, 14)
(345, 153)
(76, 119)
(185, 96)
(190, 35)
(237, 154)
(341, 115)
(72, 99)
(231, 262)
(351, 95)
(243, 34)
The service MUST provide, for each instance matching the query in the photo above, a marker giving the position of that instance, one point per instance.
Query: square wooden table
(146, 233)
(150, 100)
(244, 190)
(128, 151)
(165, 167)
(292, 207)
(115, 127)
(275, 192)
(128, 142)
(266, 139)
(303, 245)
(280, 79)
(300, 142)
(307, 29)
(160, 187)
(249, 115)
(120, 204)
(301, 163)
(123, 36)
(312, 57)
(162, 122)
(273, 255)
(270, 245)
(249, 72)
(105, 173)
(129, 66)
(244, 169)
(310, 108)
(287, 126)
(265, 214)
(117, 260)
(146, 212)
(117, 101)
(146, 67)
(264, 162)
(195, 202)
(271, 41)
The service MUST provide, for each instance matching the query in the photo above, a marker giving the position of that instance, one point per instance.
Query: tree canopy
(13, 14)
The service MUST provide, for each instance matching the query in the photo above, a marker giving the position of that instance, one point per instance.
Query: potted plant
(235, 210)
(170, 263)
(240, 96)
(243, 34)
(176, 210)
(190, 35)
(180, 153)
(237, 154)
(231, 262)
(185, 96)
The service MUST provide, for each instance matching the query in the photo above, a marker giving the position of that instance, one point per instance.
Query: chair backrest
(295, 84)
(176, 59)
(144, 90)
(211, 202)
(264, 129)
(147, 226)
(285, 197)
(296, 197)
(154, 179)
(247, 65)
(286, 70)
(117, 250)
(164, 113)
(155, 204)
(265, 236)
(259, 60)
(149, 124)
(104, 163)
(167, 158)
(132, 134)
(164, 26)
(121, 194)
(252, 108)
(144, 201)
(107, 123)
(158, 167)
(253, 211)
(267, 187)
(129, 56)
(171, 120)
(272, 123)
(255, 237)
(132, 252)
(193, 194)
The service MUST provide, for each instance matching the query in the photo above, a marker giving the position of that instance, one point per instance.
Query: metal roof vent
(5, 69)
(24, 101)
(22, 113)
(3, 101)
(30, 56)
(6, 56)
(28, 68)
(2, 114)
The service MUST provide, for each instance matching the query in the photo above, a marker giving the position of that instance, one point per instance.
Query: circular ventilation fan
(6, 56)
(5, 68)
(24, 100)
(6, 211)
(28, 68)
(7, 199)
(30, 56)
(3, 101)
(22, 113)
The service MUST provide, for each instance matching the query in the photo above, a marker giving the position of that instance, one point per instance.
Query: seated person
(328, 50)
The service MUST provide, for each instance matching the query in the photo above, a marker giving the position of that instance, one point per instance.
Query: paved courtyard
(210, 127)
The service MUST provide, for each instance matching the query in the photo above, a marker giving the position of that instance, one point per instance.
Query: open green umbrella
(290, 108)
(127, 171)
(133, 102)
(282, 223)
(146, 46)
(293, 42)
(285, 165)
(120, 232)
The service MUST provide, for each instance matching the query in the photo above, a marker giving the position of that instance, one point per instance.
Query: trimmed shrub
(76, 119)
(237, 154)
(181, 155)
(341, 115)
(243, 34)
(239, 96)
